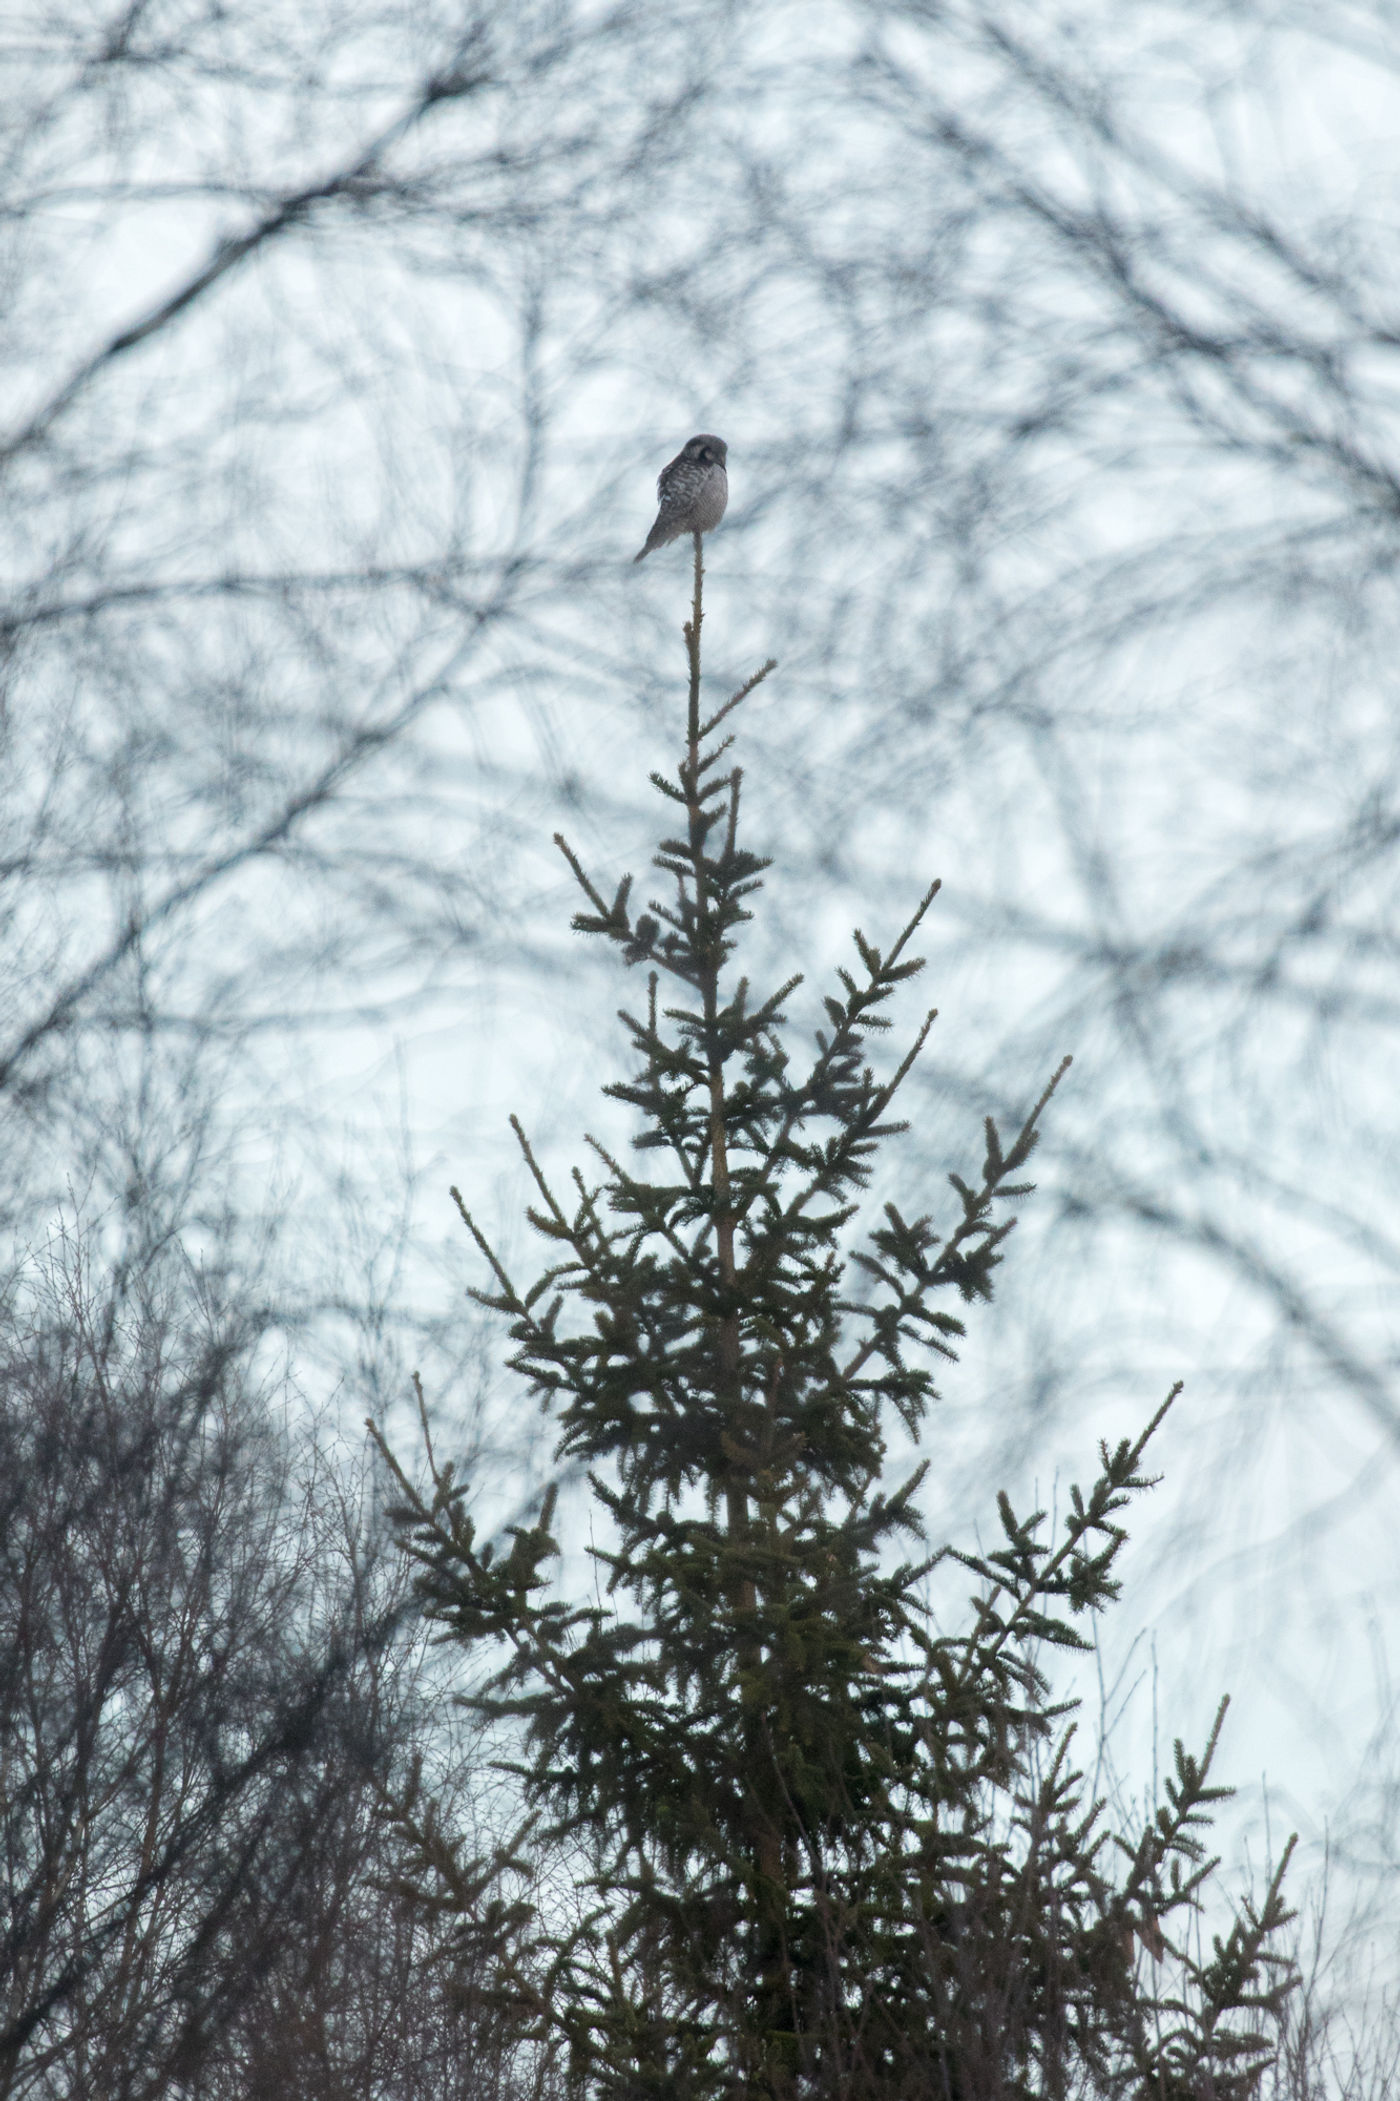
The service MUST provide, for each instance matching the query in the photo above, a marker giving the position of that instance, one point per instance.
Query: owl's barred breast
(710, 500)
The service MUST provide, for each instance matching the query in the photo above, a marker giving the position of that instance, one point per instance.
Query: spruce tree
(824, 1846)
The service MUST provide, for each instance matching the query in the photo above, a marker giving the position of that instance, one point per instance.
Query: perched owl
(693, 490)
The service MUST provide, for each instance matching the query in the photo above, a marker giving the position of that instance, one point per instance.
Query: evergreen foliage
(828, 1848)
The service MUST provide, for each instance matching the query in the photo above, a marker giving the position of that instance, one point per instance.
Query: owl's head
(706, 450)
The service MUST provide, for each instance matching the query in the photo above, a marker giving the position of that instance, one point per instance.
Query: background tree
(831, 1848)
(206, 1684)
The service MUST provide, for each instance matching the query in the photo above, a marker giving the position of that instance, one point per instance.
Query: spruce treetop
(828, 1847)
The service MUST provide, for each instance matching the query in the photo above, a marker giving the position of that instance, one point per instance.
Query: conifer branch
(1082, 1578)
(509, 1295)
(707, 729)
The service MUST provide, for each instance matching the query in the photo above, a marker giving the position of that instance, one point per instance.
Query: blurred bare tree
(206, 1682)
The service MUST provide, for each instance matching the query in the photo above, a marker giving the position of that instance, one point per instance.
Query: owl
(693, 489)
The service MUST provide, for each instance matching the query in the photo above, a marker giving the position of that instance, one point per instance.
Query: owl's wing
(674, 482)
